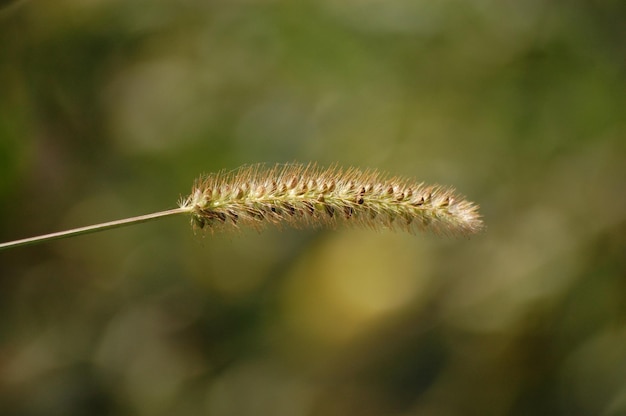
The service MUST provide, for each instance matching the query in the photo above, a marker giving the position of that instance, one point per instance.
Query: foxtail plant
(307, 195)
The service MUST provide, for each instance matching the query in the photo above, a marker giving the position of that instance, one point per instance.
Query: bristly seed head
(303, 195)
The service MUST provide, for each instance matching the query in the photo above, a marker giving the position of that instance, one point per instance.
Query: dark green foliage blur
(111, 108)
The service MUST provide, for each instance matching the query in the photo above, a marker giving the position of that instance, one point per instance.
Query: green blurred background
(111, 108)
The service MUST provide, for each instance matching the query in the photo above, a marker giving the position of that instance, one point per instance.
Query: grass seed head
(308, 195)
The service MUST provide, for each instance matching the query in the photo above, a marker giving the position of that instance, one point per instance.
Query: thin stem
(92, 228)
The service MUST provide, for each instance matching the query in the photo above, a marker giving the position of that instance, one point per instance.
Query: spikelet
(307, 195)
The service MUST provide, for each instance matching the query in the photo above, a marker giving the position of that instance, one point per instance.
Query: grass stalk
(92, 228)
(308, 196)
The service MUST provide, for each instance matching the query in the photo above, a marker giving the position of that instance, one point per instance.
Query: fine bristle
(307, 195)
